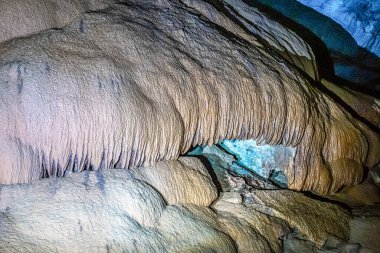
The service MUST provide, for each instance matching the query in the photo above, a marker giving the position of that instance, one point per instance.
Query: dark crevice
(210, 171)
(346, 106)
(326, 200)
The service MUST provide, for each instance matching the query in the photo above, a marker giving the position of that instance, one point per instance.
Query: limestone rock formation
(113, 211)
(270, 229)
(173, 179)
(105, 211)
(96, 118)
(286, 205)
(364, 105)
(170, 78)
(24, 17)
(251, 24)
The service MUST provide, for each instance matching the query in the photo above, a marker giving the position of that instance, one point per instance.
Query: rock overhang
(203, 84)
(170, 67)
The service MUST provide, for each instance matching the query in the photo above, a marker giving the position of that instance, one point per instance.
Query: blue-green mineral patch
(245, 158)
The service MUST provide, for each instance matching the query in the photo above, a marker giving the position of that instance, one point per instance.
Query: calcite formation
(140, 82)
(182, 181)
(260, 27)
(100, 105)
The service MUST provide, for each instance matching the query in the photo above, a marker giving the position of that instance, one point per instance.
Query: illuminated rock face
(269, 32)
(25, 17)
(109, 211)
(74, 99)
(184, 181)
(118, 95)
(113, 211)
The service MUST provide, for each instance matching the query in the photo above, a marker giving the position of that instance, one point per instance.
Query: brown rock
(316, 220)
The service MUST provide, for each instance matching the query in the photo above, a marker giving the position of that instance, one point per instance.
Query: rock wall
(133, 86)
(120, 211)
(359, 18)
(144, 81)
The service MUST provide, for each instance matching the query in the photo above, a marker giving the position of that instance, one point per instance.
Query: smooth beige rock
(86, 212)
(367, 193)
(184, 181)
(247, 238)
(315, 219)
(194, 229)
(104, 211)
(272, 229)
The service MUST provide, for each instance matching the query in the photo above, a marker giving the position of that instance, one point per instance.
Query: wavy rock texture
(74, 99)
(112, 211)
(269, 229)
(25, 17)
(251, 24)
(173, 179)
(364, 105)
(42, 14)
(303, 213)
